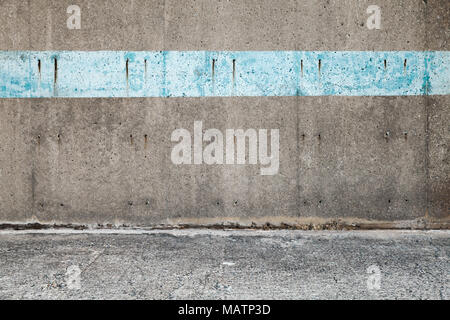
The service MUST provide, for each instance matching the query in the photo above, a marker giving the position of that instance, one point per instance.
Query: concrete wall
(107, 160)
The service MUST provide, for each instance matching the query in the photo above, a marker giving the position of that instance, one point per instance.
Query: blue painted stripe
(25, 74)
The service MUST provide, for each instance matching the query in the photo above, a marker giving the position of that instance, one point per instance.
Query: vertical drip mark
(404, 66)
(39, 73)
(301, 67)
(126, 73)
(38, 141)
(145, 141)
(55, 73)
(426, 78)
(385, 64)
(59, 141)
(55, 76)
(213, 70)
(39, 69)
(145, 69)
(234, 72)
(320, 66)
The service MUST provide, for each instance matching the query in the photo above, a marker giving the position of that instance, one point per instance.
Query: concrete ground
(210, 264)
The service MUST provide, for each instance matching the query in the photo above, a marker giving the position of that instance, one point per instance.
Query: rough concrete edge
(261, 223)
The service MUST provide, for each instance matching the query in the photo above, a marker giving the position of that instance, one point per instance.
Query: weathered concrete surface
(226, 265)
(102, 169)
(439, 155)
(224, 25)
(16, 158)
(108, 160)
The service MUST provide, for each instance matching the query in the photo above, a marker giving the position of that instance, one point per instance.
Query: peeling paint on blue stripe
(190, 74)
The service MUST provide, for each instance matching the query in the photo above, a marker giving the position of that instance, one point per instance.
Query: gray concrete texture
(224, 25)
(107, 161)
(199, 264)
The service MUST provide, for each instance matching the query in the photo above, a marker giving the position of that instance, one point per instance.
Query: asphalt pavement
(224, 264)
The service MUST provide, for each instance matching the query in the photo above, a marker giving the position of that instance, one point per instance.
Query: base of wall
(262, 223)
